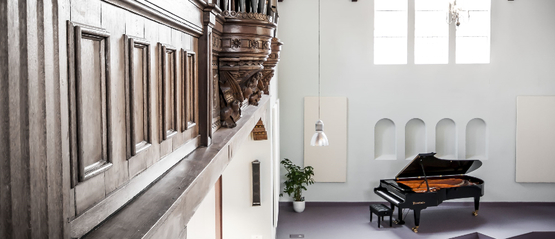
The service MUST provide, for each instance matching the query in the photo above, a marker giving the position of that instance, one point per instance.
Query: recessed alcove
(415, 138)
(446, 139)
(384, 140)
(476, 139)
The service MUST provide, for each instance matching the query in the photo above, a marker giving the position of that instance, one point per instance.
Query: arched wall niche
(384, 140)
(446, 139)
(415, 138)
(476, 139)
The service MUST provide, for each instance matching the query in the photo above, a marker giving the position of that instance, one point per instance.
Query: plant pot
(298, 206)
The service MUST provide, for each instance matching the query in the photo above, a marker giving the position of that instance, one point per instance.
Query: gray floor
(448, 220)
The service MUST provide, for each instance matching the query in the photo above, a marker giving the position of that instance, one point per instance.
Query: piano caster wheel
(475, 213)
(415, 229)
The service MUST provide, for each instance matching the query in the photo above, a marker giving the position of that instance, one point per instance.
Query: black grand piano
(427, 181)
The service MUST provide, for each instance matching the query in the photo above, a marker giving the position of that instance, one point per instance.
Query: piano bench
(381, 210)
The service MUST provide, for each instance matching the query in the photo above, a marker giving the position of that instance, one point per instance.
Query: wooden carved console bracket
(269, 66)
(247, 59)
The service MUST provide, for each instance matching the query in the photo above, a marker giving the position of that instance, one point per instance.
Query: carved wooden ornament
(259, 131)
(247, 59)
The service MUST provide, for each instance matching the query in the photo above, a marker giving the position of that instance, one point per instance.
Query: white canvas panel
(535, 138)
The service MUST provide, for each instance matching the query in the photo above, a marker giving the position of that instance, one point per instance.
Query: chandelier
(456, 14)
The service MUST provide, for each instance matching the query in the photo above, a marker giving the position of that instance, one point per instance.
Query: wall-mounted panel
(446, 139)
(329, 162)
(476, 139)
(89, 80)
(415, 138)
(168, 91)
(138, 119)
(384, 140)
(535, 138)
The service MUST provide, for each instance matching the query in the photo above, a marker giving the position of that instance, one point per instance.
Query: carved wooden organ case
(245, 55)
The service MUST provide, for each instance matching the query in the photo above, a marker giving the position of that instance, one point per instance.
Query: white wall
(241, 220)
(203, 223)
(522, 63)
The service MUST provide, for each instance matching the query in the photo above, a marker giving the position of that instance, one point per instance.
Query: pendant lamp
(319, 138)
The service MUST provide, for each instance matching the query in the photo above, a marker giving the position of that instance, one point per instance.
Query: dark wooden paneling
(138, 95)
(173, 199)
(89, 111)
(63, 114)
(205, 86)
(89, 100)
(91, 104)
(57, 198)
(112, 20)
(191, 89)
(6, 230)
(167, 91)
(119, 198)
(18, 122)
(215, 115)
(170, 93)
(31, 197)
(37, 119)
(151, 32)
(151, 11)
(139, 123)
(86, 12)
(89, 193)
(139, 98)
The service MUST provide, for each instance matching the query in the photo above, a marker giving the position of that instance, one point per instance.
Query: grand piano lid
(437, 167)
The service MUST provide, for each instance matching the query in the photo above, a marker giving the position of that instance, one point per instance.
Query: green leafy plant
(297, 179)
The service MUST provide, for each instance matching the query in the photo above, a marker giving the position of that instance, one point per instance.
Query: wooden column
(205, 76)
(31, 188)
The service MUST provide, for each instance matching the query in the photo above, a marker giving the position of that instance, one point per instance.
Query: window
(434, 39)
(390, 31)
(431, 33)
(473, 37)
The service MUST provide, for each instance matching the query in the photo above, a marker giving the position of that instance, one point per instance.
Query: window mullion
(410, 33)
(452, 43)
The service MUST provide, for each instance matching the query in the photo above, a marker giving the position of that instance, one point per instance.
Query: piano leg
(476, 206)
(416, 220)
(399, 220)
(392, 206)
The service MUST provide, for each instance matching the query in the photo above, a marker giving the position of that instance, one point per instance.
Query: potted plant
(297, 180)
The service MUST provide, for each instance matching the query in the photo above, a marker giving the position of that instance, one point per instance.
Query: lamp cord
(318, 59)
